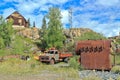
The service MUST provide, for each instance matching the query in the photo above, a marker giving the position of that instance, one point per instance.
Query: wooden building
(18, 20)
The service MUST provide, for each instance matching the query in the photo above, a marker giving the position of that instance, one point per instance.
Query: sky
(102, 16)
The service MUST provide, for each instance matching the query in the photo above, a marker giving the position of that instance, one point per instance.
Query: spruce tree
(28, 22)
(2, 24)
(6, 31)
(34, 24)
(55, 36)
(43, 28)
(43, 33)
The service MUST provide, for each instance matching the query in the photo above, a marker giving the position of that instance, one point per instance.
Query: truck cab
(51, 56)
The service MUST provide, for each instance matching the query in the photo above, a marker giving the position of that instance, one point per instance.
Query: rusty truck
(94, 54)
(53, 55)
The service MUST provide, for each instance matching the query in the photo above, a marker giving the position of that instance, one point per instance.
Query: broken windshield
(51, 52)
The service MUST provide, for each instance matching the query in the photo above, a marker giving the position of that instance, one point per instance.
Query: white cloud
(57, 1)
(45, 8)
(104, 10)
(98, 17)
(27, 7)
(36, 18)
(108, 2)
(108, 28)
(64, 14)
(61, 1)
(7, 12)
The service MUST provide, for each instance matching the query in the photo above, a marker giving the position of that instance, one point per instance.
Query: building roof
(16, 14)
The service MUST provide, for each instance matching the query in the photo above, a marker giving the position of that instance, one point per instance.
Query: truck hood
(47, 55)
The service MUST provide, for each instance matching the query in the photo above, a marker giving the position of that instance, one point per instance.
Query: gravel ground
(104, 75)
(46, 75)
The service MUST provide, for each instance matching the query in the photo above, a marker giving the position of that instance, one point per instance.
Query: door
(56, 55)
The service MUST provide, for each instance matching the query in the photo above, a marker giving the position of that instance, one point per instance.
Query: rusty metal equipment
(94, 54)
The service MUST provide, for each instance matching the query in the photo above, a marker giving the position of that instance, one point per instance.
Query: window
(56, 52)
(51, 52)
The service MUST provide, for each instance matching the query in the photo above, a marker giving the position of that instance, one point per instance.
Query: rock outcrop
(33, 33)
(75, 32)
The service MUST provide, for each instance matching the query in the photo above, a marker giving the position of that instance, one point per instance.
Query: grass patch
(116, 69)
(17, 66)
(118, 78)
(66, 73)
(20, 67)
(117, 59)
(74, 63)
(4, 52)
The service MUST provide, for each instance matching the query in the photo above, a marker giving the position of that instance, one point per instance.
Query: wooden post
(114, 60)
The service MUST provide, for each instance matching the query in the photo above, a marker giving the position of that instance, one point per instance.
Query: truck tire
(66, 60)
(52, 61)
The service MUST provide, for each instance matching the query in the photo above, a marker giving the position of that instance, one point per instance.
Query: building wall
(18, 19)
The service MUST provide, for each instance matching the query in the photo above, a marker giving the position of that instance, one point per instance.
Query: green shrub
(116, 69)
(20, 46)
(90, 35)
(74, 63)
(2, 43)
(4, 51)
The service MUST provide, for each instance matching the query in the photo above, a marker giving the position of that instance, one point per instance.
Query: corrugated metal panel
(94, 54)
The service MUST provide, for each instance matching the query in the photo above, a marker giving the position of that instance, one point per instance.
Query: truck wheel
(52, 61)
(66, 60)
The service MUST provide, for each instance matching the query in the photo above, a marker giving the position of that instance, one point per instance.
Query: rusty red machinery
(94, 54)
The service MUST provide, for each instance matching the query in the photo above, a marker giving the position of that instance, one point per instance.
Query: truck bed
(64, 55)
